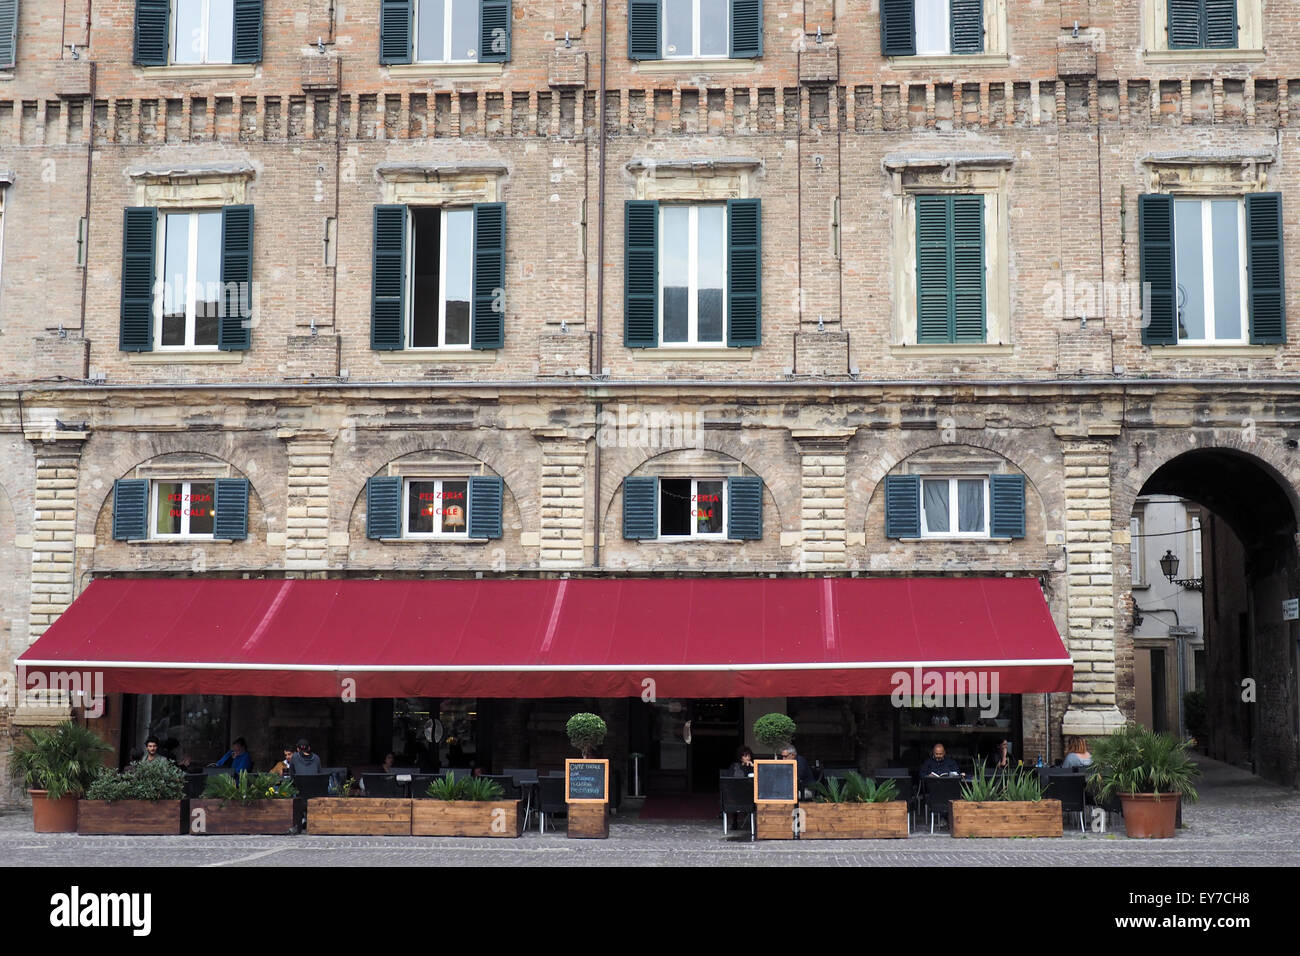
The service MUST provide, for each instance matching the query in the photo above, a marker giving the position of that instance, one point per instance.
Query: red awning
(701, 637)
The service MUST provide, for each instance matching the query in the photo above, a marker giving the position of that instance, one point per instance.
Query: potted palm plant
(1149, 772)
(57, 766)
(145, 798)
(465, 806)
(854, 808)
(258, 803)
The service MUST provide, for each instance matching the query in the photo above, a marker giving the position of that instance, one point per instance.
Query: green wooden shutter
(248, 32)
(641, 274)
(130, 509)
(897, 28)
(641, 508)
(902, 506)
(485, 496)
(966, 22)
(151, 28)
(1185, 24)
(1264, 268)
(384, 507)
(8, 33)
(746, 29)
(643, 20)
(1007, 506)
(139, 232)
(231, 505)
(744, 272)
(933, 268)
(1156, 252)
(234, 326)
(395, 22)
(745, 508)
(1221, 24)
(968, 286)
(494, 31)
(488, 323)
(388, 284)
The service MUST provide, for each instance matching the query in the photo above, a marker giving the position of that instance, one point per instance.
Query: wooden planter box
(588, 821)
(133, 817)
(465, 818)
(774, 822)
(270, 817)
(854, 821)
(359, 816)
(1002, 818)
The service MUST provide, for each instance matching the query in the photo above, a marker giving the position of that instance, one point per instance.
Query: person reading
(939, 764)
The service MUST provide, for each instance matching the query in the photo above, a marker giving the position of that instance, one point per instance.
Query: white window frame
(409, 279)
(155, 489)
(1207, 271)
(204, 57)
(447, 10)
(693, 279)
(947, 31)
(437, 490)
(1194, 545)
(954, 506)
(695, 53)
(191, 281)
(695, 534)
(1137, 547)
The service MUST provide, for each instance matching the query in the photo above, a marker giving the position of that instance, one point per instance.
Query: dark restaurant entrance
(687, 741)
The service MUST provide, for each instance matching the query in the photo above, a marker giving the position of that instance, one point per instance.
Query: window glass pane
(970, 505)
(714, 15)
(678, 27)
(708, 507)
(221, 31)
(931, 27)
(464, 29)
(176, 264)
(674, 506)
(207, 279)
(430, 31)
(200, 505)
(452, 502)
(425, 227)
(710, 259)
(460, 273)
(421, 506)
(187, 31)
(1226, 250)
(675, 272)
(169, 503)
(935, 504)
(1189, 266)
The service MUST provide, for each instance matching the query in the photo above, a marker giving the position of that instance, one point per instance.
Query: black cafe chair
(509, 789)
(737, 796)
(195, 783)
(382, 785)
(550, 799)
(1070, 789)
(311, 785)
(418, 785)
(526, 780)
(940, 792)
(906, 791)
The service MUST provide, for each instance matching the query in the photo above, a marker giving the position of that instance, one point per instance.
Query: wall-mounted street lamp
(1169, 567)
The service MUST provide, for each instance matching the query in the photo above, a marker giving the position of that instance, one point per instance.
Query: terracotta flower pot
(1150, 816)
(53, 816)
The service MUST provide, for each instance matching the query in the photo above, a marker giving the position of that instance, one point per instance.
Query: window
(8, 33)
(1210, 263)
(695, 28)
(189, 299)
(446, 31)
(1137, 548)
(934, 27)
(436, 508)
(441, 242)
(954, 507)
(203, 31)
(950, 270)
(1186, 30)
(1195, 545)
(183, 509)
(197, 32)
(692, 507)
(1202, 24)
(692, 274)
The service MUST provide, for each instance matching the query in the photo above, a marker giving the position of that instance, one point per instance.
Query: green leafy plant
(774, 731)
(63, 761)
(854, 788)
(831, 790)
(1021, 785)
(475, 789)
(1137, 760)
(482, 790)
(146, 780)
(982, 788)
(1024, 785)
(249, 788)
(586, 732)
(449, 787)
(346, 789)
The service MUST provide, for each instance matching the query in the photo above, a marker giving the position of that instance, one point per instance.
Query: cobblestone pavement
(1240, 821)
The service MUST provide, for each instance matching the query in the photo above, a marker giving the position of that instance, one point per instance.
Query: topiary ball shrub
(586, 732)
(774, 731)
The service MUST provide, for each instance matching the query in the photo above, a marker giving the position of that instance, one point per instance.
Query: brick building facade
(1048, 133)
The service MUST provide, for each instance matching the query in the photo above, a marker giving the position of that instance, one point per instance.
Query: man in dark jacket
(939, 764)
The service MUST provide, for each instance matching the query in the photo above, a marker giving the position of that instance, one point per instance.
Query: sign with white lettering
(1291, 609)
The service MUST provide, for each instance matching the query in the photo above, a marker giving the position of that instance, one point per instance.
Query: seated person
(1001, 758)
(151, 751)
(939, 764)
(284, 765)
(744, 763)
(1078, 756)
(303, 760)
(237, 756)
(390, 760)
(804, 774)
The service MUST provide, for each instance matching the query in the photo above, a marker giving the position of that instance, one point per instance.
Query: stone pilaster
(822, 514)
(307, 500)
(563, 515)
(1090, 588)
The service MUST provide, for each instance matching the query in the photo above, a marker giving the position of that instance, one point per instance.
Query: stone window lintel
(440, 184)
(699, 180)
(198, 186)
(1228, 172)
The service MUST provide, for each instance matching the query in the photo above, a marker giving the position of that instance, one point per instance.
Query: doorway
(691, 740)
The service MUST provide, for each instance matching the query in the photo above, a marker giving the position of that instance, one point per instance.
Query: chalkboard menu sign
(776, 781)
(586, 781)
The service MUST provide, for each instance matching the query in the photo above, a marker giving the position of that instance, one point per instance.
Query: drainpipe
(598, 367)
